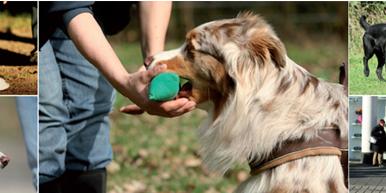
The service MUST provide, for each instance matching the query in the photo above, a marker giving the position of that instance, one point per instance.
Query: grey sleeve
(70, 14)
(63, 12)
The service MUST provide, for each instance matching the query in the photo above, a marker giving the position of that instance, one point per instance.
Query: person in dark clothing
(77, 72)
(378, 133)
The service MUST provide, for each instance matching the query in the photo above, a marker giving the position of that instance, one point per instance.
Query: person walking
(378, 144)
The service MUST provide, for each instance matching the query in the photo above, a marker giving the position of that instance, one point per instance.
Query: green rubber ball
(164, 87)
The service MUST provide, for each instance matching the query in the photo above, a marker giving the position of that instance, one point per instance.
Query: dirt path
(16, 45)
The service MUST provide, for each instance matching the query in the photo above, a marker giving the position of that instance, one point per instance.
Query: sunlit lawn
(361, 85)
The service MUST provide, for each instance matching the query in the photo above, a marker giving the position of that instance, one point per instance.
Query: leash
(327, 142)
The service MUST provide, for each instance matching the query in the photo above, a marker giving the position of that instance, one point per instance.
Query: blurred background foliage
(315, 33)
(375, 13)
(153, 154)
(290, 19)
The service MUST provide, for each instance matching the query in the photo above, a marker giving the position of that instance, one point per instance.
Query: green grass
(319, 58)
(361, 85)
(22, 21)
(154, 150)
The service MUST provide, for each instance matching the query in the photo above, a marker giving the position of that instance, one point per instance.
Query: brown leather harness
(327, 142)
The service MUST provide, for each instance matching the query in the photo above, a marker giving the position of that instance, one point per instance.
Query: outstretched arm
(91, 42)
(154, 19)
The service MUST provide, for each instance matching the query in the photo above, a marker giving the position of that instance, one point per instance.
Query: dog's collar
(327, 142)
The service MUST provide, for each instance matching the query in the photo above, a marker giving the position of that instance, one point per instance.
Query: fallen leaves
(113, 167)
(135, 187)
(192, 162)
(132, 186)
(242, 176)
(143, 153)
(157, 155)
(211, 190)
(165, 175)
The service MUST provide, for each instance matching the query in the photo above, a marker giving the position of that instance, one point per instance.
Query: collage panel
(202, 97)
(366, 47)
(367, 138)
(262, 70)
(18, 144)
(367, 142)
(18, 48)
(18, 112)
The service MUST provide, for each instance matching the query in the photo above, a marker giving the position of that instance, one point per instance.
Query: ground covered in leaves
(16, 45)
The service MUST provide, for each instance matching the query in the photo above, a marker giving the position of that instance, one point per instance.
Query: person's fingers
(189, 106)
(149, 74)
(173, 105)
(176, 107)
(131, 109)
(166, 109)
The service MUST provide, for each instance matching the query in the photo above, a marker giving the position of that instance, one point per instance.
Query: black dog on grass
(374, 42)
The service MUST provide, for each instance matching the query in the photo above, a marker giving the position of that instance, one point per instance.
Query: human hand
(138, 85)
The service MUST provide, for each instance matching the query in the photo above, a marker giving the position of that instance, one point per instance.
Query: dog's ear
(268, 48)
(249, 46)
(262, 40)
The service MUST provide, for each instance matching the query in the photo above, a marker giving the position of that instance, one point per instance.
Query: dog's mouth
(186, 88)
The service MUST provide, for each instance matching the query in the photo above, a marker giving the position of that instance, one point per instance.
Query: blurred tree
(292, 20)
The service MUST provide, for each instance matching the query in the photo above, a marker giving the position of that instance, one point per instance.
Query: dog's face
(220, 55)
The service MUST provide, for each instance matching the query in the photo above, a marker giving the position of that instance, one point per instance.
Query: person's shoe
(50, 187)
(381, 166)
(84, 182)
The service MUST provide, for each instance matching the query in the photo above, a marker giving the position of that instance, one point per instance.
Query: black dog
(374, 42)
